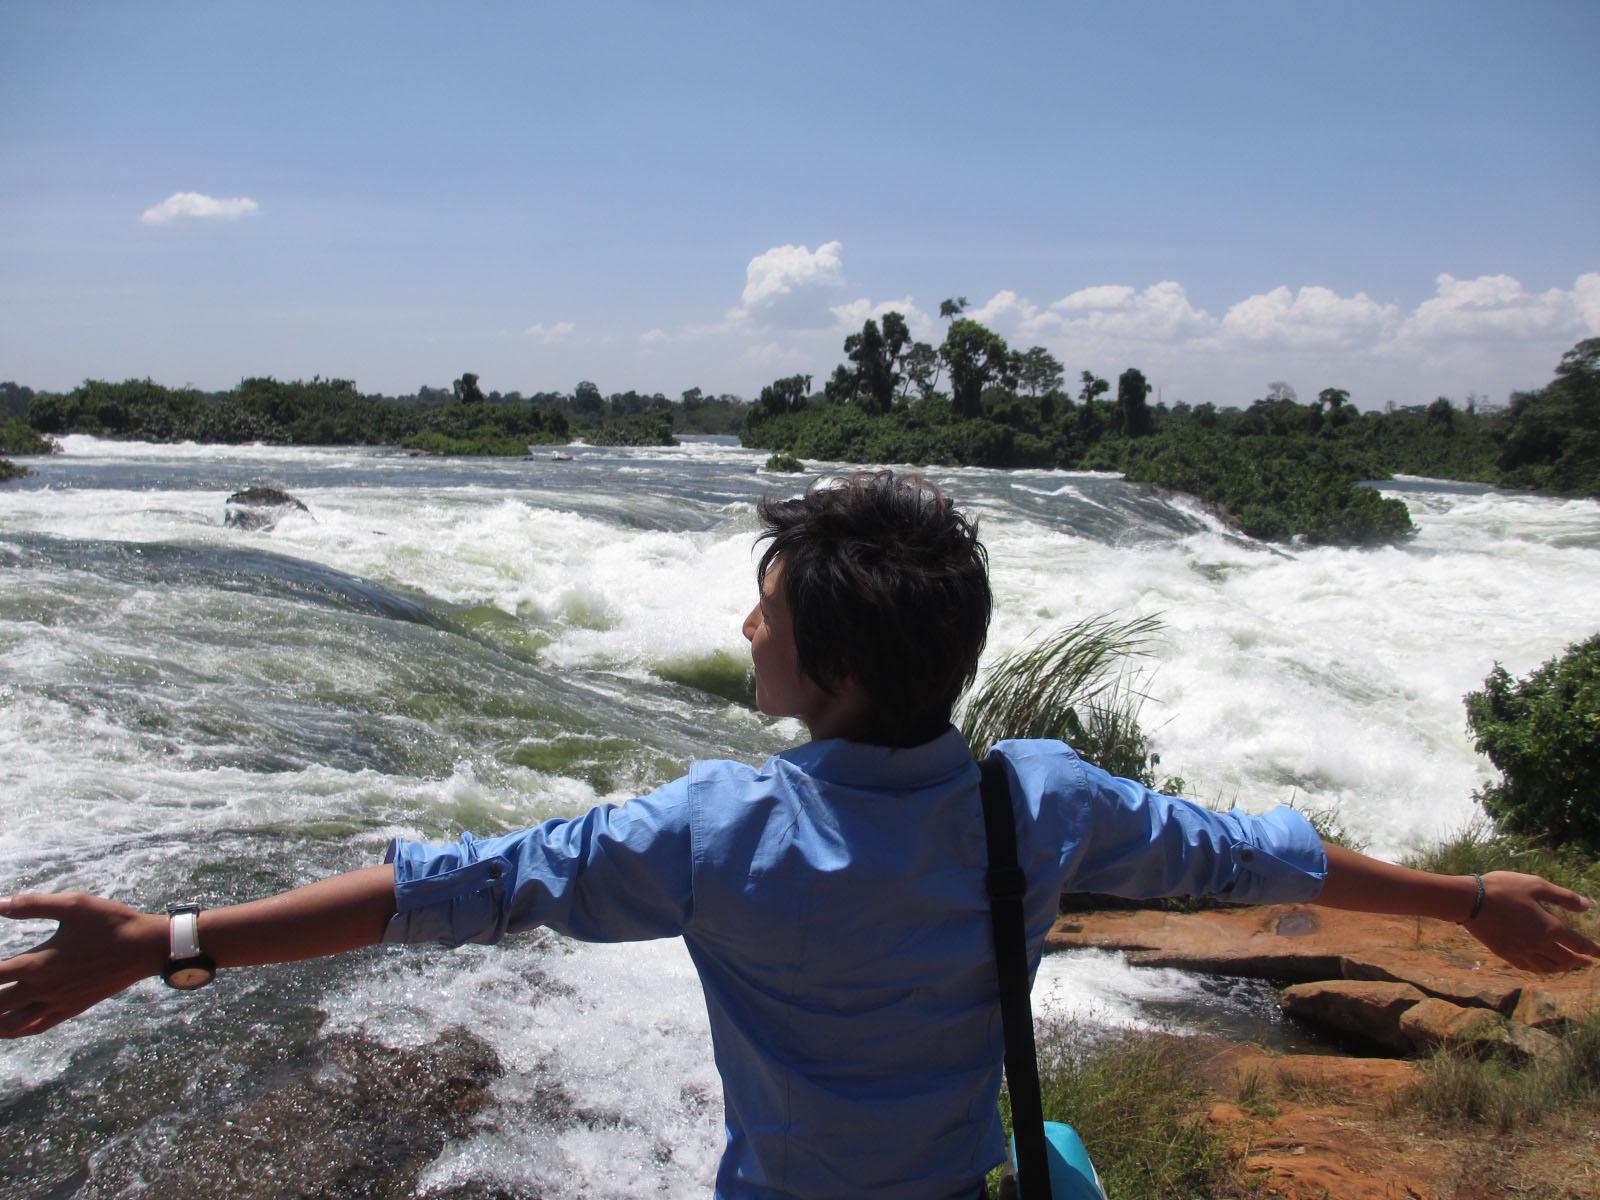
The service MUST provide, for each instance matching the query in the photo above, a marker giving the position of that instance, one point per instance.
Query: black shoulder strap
(1007, 886)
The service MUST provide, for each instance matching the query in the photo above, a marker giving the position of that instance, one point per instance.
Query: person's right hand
(99, 947)
(1516, 925)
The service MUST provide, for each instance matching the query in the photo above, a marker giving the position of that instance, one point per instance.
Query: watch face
(189, 978)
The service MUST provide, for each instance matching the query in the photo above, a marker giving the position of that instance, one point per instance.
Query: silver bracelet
(1477, 904)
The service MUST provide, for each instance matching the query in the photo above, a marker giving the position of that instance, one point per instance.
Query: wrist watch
(188, 967)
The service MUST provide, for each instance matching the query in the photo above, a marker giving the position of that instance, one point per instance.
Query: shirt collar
(857, 764)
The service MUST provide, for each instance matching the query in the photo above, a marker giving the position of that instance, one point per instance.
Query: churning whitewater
(189, 710)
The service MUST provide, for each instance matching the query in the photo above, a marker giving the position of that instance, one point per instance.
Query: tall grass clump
(1075, 686)
(1457, 1088)
(1135, 1100)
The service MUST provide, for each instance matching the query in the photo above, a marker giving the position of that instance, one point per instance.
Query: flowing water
(188, 710)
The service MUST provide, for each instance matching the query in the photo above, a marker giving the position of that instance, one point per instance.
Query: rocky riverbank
(1314, 1126)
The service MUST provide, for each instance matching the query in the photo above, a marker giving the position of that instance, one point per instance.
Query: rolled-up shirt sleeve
(616, 873)
(1140, 843)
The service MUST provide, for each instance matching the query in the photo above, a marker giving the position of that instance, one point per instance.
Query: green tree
(975, 357)
(586, 399)
(1133, 414)
(1038, 371)
(950, 309)
(921, 371)
(1093, 388)
(1543, 734)
(877, 355)
(466, 390)
(785, 395)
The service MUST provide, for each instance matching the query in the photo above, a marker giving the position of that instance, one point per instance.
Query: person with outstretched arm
(833, 900)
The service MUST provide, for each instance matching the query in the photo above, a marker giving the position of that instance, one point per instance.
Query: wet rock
(1370, 1011)
(355, 1118)
(258, 508)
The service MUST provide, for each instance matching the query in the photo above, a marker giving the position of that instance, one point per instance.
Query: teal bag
(1072, 1175)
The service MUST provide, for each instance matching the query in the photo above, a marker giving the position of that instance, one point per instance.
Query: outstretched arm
(1513, 921)
(100, 947)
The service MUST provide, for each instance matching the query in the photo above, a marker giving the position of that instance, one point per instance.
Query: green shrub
(17, 438)
(787, 463)
(10, 470)
(482, 442)
(1543, 734)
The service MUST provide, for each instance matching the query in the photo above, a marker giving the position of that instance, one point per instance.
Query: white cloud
(1498, 307)
(856, 313)
(1005, 310)
(654, 337)
(782, 270)
(187, 205)
(1311, 317)
(1586, 295)
(1115, 313)
(1090, 299)
(549, 334)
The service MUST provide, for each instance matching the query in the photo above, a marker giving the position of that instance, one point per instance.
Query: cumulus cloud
(856, 313)
(788, 287)
(1160, 313)
(549, 334)
(1094, 299)
(783, 269)
(183, 206)
(1495, 307)
(1311, 317)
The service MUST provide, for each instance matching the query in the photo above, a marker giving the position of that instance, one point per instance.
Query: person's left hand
(99, 947)
(1515, 924)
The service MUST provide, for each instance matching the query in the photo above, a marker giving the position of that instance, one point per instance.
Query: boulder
(1436, 1022)
(1551, 1011)
(258, 508)
(1367, 1010)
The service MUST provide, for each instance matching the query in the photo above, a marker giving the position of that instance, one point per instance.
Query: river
(192, 711)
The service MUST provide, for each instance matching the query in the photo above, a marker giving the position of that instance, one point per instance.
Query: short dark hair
(888, 584)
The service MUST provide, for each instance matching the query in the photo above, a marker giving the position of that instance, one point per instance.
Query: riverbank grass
(1136, 1100)
(1458, 1089)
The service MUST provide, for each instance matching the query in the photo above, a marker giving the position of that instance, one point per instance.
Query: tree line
(461, 419)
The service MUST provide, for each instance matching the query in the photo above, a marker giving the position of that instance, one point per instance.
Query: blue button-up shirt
(834, 904)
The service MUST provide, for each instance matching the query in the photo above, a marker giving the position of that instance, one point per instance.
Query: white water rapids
(192, 710)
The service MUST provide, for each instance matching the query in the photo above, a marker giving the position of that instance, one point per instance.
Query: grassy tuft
(1135, 1101)
(1456, 1088)
(1075, 686)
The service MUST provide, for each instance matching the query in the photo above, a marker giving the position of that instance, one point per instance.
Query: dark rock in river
(258, 508)
(355, 1119)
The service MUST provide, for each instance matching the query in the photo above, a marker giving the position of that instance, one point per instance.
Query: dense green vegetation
(1279, 469)
(460, 420)
(1543, 733)
(18, 438)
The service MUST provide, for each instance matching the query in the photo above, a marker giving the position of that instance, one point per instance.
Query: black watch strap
(188, 967)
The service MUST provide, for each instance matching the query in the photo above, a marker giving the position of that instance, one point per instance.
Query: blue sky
(1397, 199)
